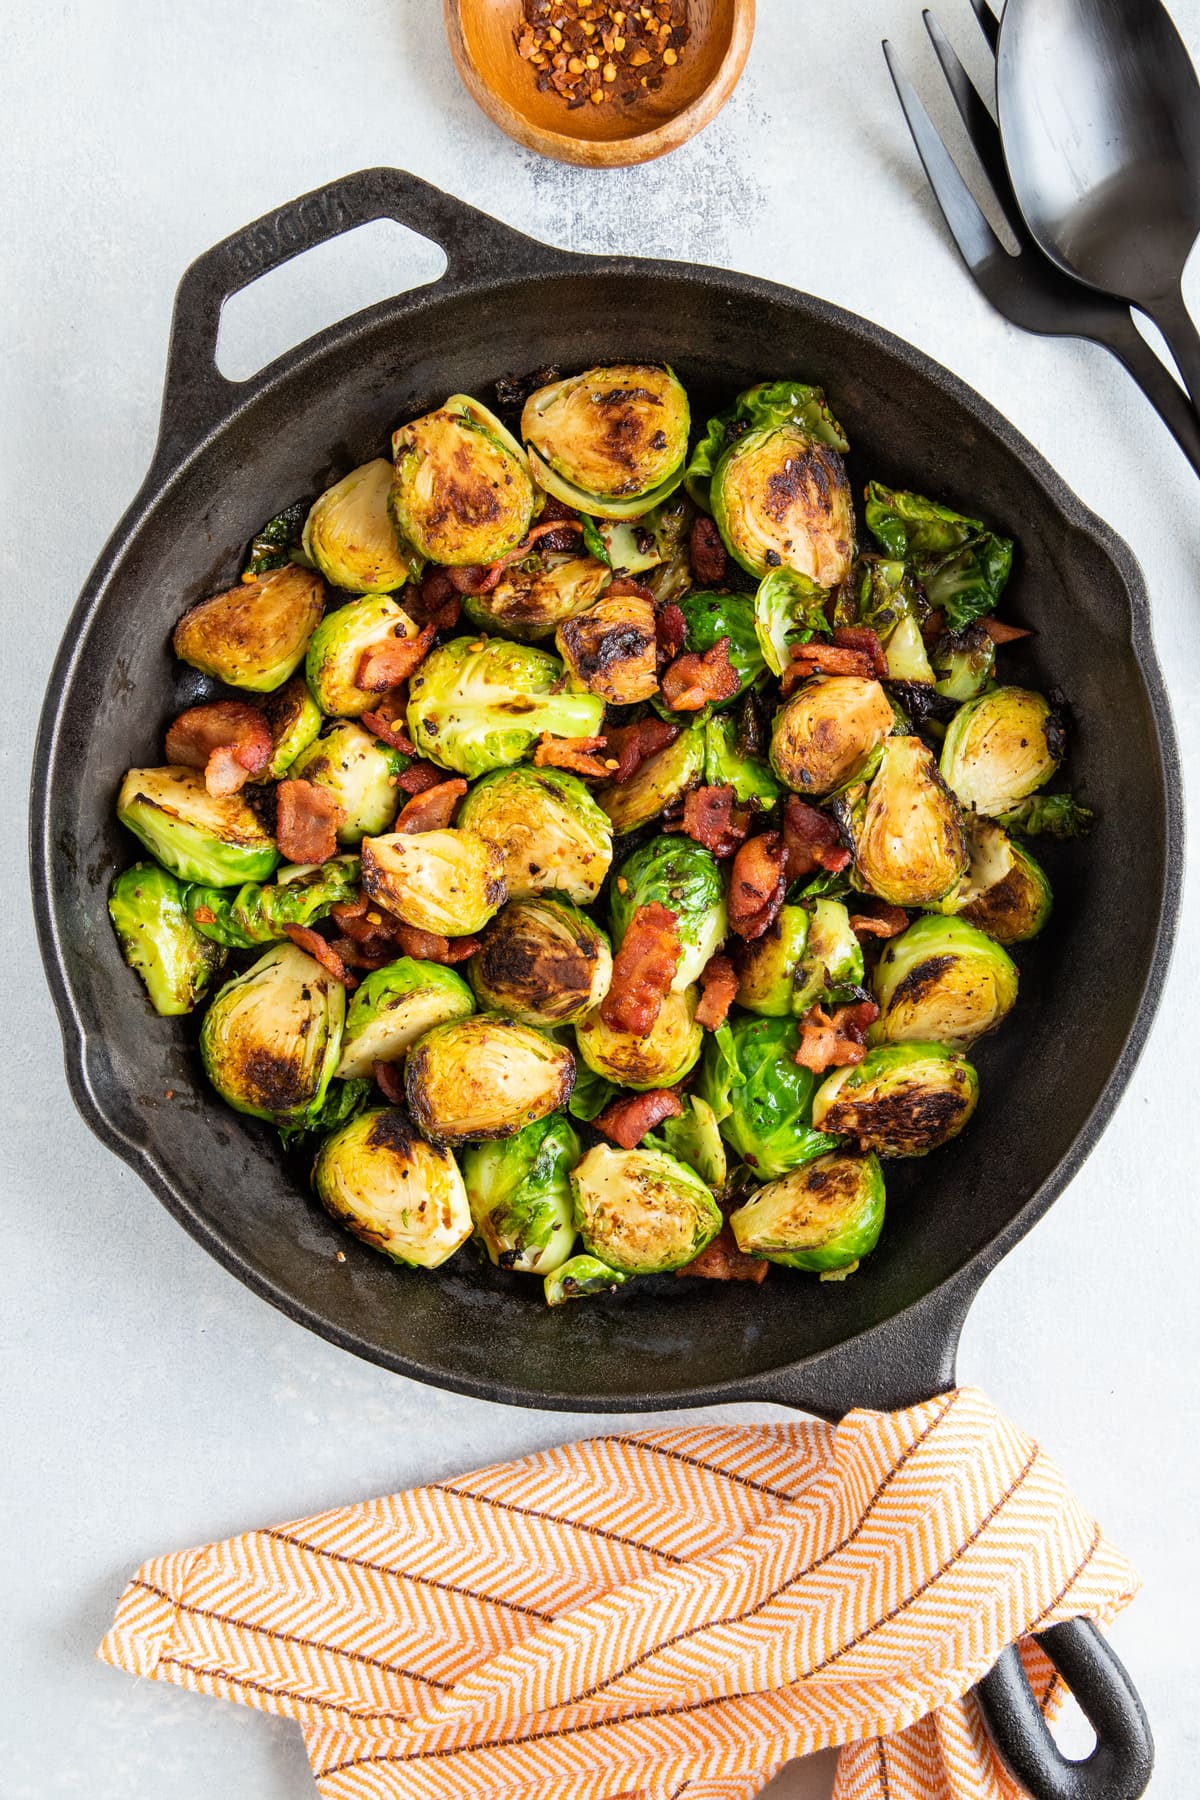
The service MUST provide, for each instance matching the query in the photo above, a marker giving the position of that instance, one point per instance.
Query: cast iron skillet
(230, 455)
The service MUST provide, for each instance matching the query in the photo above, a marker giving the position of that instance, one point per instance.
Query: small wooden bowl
(612, 135)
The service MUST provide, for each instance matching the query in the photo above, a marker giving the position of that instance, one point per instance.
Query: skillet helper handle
(1120, 1765)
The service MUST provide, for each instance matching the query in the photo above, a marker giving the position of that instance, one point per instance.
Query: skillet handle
(196, 396)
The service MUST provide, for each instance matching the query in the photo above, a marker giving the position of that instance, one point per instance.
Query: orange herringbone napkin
(669, 1613)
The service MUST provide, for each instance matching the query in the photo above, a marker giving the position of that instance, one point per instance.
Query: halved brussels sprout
(695, 1138)
(1006, 891)
(351, 536)
(711, 617)
(485, 1077)
(295, 720)
(826, 1215)
(394, 1007)
(670, 1049)
(338, 646)
(642, 1212)
(449, 882)
(197, 835)
(255, 635)
(272, 1037)
(962, 662)
(660, 780)
(942, 981)
(533, 597)
(551, 833)
(256, 913)
(159, 941)
(580, 1278)
(357, 770)
(1001, 747)
(520, 1195)
(768, 966)
(611, 649)
(684, 877)
(761, 408)
(393, 1190)
(781, 499)
(542, 962)
(909, 843)
(478, 704)
(726, 764)
(462, 493)
(832, 960)
(901, 1100)
(788, 609)
(828, 732)
(611, 441)
(761, 1096)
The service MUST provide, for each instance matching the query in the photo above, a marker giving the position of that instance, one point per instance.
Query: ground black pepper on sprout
(589, 51)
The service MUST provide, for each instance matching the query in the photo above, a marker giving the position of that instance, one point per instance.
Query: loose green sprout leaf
(942, 981)
(591, 1093)
(1000, 748)
(963, 662)
(660, 780)
(829, 733)
(478, 704)
(643, 1212)
(909, 843)
(256, 913)
(832, 962)
(596, 539)
(711, 617)
(669, 1050)
(358, 771)
(393, 1190)
(272, 1037)
(652, 539)
(485, 1077)
(884, 594)
(768, 966)
(449, 882)
(901, 1100)
(343, 1101)
(295, 720)
(962, 566)
(520, 1196)
(761, 1097)
(1005, 891)
(695, 1138)
(541, 962)
(611, 441)
(788, 608)
(537, 595)
(339, 645)
(395, 1006)
(826, 1215)
(581, 1277)
(351, 537)
(194, 834)
(552, 835)
(255, 635)
(159, 941)
(685, 878)
(277, 543)
(750, 777)
(1048, 815)
(462, 493)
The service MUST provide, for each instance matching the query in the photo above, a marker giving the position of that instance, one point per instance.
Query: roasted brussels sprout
(942, 981)
(295, 720)
(394, 1007)
(533, 597)
(195, 834)
(351, 536)
(394, 1191)
(826, 1215)
(612, 441)
(901, 1100)
(551, 833)
(256, 913)
(255, 635)
(338, 646)
(520, 1195)
(484, 1077)
(1005, 892)
(684, 877)
(909, 843)
(695, 1138)
(760, 408)
(711, 617)
(1001, 747)
(727, 765)
(449, 882)
(828, 732)
(961, 566)
(761, 1096)
(272, 1037)
(1048, 815)
(962, 662)
(652, 539)
(479, 704)
(670, 1049)
(768, 966)
(462, 492)
(788, 608)
(611, 649)
(541, 962)
(159, 941)
(642, 1212)
(832, 961)
(581, 1277)
(358, 770)
(660, 780)
(781, 499)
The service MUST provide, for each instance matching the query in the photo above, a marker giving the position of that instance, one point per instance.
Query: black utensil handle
(1121, 336)
(1183, 340)
(1120, 1765)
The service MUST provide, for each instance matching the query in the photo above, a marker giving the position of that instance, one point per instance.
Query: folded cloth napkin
(663, 1614)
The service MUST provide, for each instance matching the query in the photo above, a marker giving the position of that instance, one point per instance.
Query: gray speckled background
(150, 1401)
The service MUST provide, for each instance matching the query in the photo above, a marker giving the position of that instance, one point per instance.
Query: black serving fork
(1026, 287)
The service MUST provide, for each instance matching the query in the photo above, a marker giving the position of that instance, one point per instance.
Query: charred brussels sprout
(357, 769)
(761, 1096)
(909, 843)
(611, 649)
(962, 663)
(580, 1278)
(195, 834)
(541, 962)
(394, 1191)
(641, 1211)
(684, 877)
(668, 1052)
(761, 408)
(828, 732)
(788, 608)
(476, 705)
(1005, 892)
(272, 1037)
(449, 882)
(159, 941)
(711, 617)
(660, 780)
(727, 764)
(255, 635)
(550, 832)
(462, 493)
(768, 966)
(1001, 747)
(833, 960)
(520, 1195)
(961, 566)
(534, 597)
(781, 500)
(826, 1215)
(901, 1100)
(295, 720)
(394, 1007)
(351, 536)
(256, 913)
(485, 1077)
(610, 442)
(942, 981)
(338, 646)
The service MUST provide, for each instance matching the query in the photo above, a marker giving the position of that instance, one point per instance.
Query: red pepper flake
(589, 51)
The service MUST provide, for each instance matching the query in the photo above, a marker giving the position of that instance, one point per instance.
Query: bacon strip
(420, 775)
(719, 981)
(573, 753)
(643, 970)
(877, 919)
(1004, 634)
(670, 632)
(691, 681)
(933, 626)
(825, 659)
(632, 745)
(229, 739)
(833, 1040)
(861, 637)
(306, 822)
(389, 1079)
(626, 1121)
(810, 841)
(723, 1261)
(387, 664)
(757, 885)
(310, 941)
(385, 720)
(707, 553)
(481, 578)
(428, 946)
(432, 809)
(712, 818)
(625, 584)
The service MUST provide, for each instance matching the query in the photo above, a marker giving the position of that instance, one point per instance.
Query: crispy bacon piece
(418, 776)
(861, 637)
(473, 578)
(708, 555)
(819, 658)
(877, 919)
(387, 664)
(625, 584)
(627, 1121)
(305, 938)
(643, 970)
(390, 1081)
(832, 1040)
(432, 809)
(711, 816)
(810, 841)
(573, 753)
(1000, 633)
(723, 1261)
(632, 745)
(719, 982)
(757, 885)
(670, 632)
(428, 946)
(306, 822)
(435, 589)
(385, 720)
(692, 680)
(229, 739)
(933, 626)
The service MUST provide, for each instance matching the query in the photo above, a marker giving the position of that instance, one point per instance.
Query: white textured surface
(151, 1401)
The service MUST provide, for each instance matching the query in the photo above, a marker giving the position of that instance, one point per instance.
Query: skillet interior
(1047, 1079)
